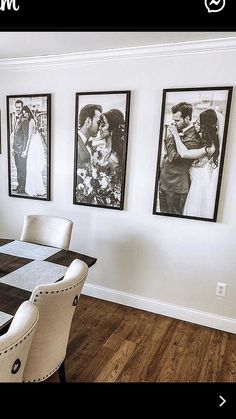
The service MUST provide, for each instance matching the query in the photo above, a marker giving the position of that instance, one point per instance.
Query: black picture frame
(29, 145)
(185, 186)
(100, 165)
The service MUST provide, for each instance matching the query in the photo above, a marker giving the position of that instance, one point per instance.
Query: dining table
(23, 266)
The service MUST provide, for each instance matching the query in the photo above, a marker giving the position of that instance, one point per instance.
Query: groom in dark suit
(174, 180)
(21, 130)
(89, 120)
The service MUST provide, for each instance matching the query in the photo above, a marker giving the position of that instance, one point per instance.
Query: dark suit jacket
(174, 176)
(83, 153)
(21, 135)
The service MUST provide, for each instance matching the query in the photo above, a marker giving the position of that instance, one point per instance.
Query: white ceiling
(28, 44)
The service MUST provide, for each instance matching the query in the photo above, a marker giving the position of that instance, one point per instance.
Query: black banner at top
(162, 15)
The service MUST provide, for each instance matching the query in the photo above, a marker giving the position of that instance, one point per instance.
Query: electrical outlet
(221, 289)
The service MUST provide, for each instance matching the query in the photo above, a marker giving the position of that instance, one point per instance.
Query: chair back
(15, 344)
(56, 303)
(47, 230)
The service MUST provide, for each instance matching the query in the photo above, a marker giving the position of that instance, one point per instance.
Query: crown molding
(132, 53)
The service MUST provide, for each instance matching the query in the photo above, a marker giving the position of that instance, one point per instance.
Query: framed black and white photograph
(101, 139)
(193, 133)
(29, 131)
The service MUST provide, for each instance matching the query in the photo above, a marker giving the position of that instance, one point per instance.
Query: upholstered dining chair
(47, 230)
(15, 343)
(56, 303)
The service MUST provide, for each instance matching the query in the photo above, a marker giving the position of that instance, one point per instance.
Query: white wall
(172, 260)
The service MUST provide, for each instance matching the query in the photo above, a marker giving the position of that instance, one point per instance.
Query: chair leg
(62, 374)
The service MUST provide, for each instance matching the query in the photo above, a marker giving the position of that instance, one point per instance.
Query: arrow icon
(223, 401)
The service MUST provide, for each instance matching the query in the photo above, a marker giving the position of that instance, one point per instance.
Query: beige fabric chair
(15, 344)
(47, 230)
(56, 303)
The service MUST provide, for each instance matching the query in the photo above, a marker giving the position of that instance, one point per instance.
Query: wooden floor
(113, 343)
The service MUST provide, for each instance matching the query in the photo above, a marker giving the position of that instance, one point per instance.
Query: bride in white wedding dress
(34, 153)
(204, 171)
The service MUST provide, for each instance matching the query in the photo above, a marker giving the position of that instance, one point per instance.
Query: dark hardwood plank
(195, 354)
(136, 369)
(143, 327)
(92, 338)
(114, 343)
(99, 361)
(173, 358)
(228, 370)
(144, 364)
(120, 334)
(112, 369)
(213, 360)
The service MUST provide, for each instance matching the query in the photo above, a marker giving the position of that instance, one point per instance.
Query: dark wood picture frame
(191, 152)
(29, 145)
(100, 151)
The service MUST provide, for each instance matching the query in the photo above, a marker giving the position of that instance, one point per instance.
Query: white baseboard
(202, 318)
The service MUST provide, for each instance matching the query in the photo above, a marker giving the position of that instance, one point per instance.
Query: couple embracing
(109, 126)
(100, 154)
(187, 185)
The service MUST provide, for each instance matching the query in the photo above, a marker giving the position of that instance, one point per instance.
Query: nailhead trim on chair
(46, 376)
(19, 342)
(53, 292)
